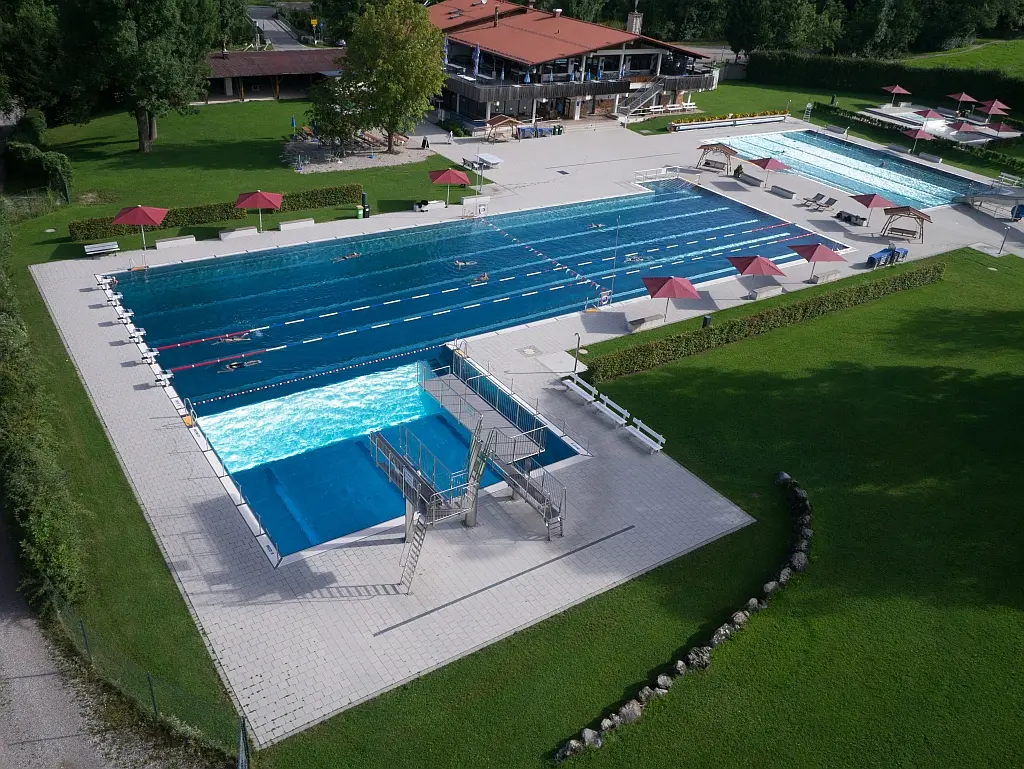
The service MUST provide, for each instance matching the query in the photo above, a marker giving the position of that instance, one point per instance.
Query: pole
(1006, 231)
(260, 210)
(85, 639)
(142, 229)
(152, 695)
(667, 300)
(576, 362)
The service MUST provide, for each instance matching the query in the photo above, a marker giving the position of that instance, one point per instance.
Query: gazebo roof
(501, 120)
(913, 213)
(725, 149)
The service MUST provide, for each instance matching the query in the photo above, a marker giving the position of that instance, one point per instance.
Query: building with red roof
(532, 64)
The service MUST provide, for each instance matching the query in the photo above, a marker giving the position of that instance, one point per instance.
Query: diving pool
(293, 356)
(855, 169)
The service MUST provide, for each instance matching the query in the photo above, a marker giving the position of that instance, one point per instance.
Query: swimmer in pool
(353, 255)
(594, 226)
(460, 264)
(235, 338)
(634, 258)
(481, 278)
(235, 365)
(113, 282)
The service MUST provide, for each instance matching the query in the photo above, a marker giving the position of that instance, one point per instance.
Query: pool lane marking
(290, 322)
(442, 312)
(314, 339)
(364, 307)
(391, 301)
(503, 299)
(414, 317)
(511, 277)
(448, 290)
(420, 296)
(471, 306)
(584, 264)
(381, 325)
(328, 315)
(529, 293)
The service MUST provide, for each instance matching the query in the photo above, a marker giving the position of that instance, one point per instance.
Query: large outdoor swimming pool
(855, 169)
(331, 334)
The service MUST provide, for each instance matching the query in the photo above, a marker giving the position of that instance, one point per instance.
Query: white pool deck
(301, 643)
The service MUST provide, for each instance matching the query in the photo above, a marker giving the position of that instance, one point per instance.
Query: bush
(658, 352)
(192, 216)
(32, 167)
(454, 127)
(861, 75)
(33, 489)
(31, 129)
(731, 116)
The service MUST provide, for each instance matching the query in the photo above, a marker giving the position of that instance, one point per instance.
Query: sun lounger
(98, 249)
(815, 200)
(826, 205)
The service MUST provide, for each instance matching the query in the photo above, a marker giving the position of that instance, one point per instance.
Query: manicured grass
(1004, 55)
(751, 97)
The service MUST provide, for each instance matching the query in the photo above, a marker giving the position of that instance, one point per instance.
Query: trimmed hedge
(191, 216)
(31, 129)
(948, 148)
(34, 493)
(35, 168)
(731, 116)
(642, 357)
(862, 75)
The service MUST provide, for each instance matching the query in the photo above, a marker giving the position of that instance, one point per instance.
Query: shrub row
(191, 216)
(731, 116)
(950, 149)
(862, 75)
(34, 493)
(34, 168)
(658, 352)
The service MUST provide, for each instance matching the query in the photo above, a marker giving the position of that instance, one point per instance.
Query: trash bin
(359, 212)
(707, 321)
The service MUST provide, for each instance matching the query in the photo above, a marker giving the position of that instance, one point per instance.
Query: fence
(151, 693)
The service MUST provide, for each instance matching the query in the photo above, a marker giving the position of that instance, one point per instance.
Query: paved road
(276, 32)
(40, 724)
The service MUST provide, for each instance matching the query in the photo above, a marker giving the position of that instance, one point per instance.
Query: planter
(727, 123)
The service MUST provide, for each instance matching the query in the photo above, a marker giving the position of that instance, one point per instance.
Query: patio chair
(815, 200)
(827, 205)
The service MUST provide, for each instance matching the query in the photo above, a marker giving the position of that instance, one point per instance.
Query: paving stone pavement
(301, 643)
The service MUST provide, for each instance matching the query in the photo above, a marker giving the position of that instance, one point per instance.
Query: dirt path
(41, 726)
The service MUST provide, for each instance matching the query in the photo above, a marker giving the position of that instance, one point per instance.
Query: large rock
(806, 533)
(762, 605)
(659, 692)
(752, 606)
(784, 575)
(591, 739)
(770, 588)
(739, 620)
(802, 546)
(799, 561)
(680, 668)
(699, 658)
(781, 478)
(721, 635)
(630, 712)
(607, 724)
(805, 519)
(664, 681)
(570, 748)
(795, 495)
(645, 695)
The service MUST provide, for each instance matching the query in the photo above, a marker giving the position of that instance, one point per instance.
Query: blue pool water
(854, 169)
(332, 343)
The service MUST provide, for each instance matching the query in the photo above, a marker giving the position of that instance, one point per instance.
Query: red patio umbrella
(670, 288)
(259, 200)
(448, 176)
(991, 109)
(769, 165)
(918, 135)
(963, 127)
(895, 89)
(755, 265)
(871, 201)
(995, 103)
(816, 252)
(961, 97)
(1002, 128)
(142, 216)
(930, 114)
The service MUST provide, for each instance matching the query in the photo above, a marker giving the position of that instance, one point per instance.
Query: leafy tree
(28, 47)
(233, 24)
(338, 16)
(336, 104)
(395, 57)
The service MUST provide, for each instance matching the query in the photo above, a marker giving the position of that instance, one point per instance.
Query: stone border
(698, 658)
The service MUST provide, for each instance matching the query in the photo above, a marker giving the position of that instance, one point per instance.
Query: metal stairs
(641, 97)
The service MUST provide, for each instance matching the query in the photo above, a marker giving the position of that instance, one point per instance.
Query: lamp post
(576, 361)
(1006, 231)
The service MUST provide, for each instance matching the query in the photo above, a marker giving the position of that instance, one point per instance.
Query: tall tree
(338, 16)
(395, 56)
(337, 105)
(28, 49)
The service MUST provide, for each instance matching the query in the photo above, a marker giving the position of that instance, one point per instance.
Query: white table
(491, 161)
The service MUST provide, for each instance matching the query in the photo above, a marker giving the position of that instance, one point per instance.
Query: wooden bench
(825, 277)
(641, 314)
(782, 192)
(929, 158)
(652, 440)
(612, 410)
(753, 181)
(295, 224)
(583, 389)
(765, 291)
(718, 165)
(183, 240)
(836, 129)
(241, 232)
(98, 249)
(900, 232)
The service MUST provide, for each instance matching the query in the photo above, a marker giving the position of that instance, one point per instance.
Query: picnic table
(488, 160)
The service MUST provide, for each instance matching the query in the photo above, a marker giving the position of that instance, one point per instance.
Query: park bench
(900, 232)
(673, 107)
(718, 165)
(578, 387)
(782, 192)
(182, 240)
(652, 440)
(98, 249)
(753, 181)
(656, 109)
(855, 219)
(929, 158)
(688, 106)
(429, 205)
(612, 410)
(1004, 178)
(899, 149)
(295, 224)
(639, 315)
(241, 232)
(837, 129)
(825, 277)
(765, 291)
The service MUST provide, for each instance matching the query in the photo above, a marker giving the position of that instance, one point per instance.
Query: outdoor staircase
(412, 557)
(641, 98)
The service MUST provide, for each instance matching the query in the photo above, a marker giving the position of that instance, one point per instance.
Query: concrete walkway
(279, 34)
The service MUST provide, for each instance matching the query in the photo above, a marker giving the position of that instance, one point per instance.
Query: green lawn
(751, 97)
(1004, 55)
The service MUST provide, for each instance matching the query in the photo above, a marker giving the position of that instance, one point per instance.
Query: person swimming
(634, 258)
(481, 278)
(243, 337)
(595, 226)
(235, 365)
(352, 255)
(460, 263)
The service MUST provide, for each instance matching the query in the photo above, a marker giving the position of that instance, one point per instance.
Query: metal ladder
(412, 557)
(807, 112)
